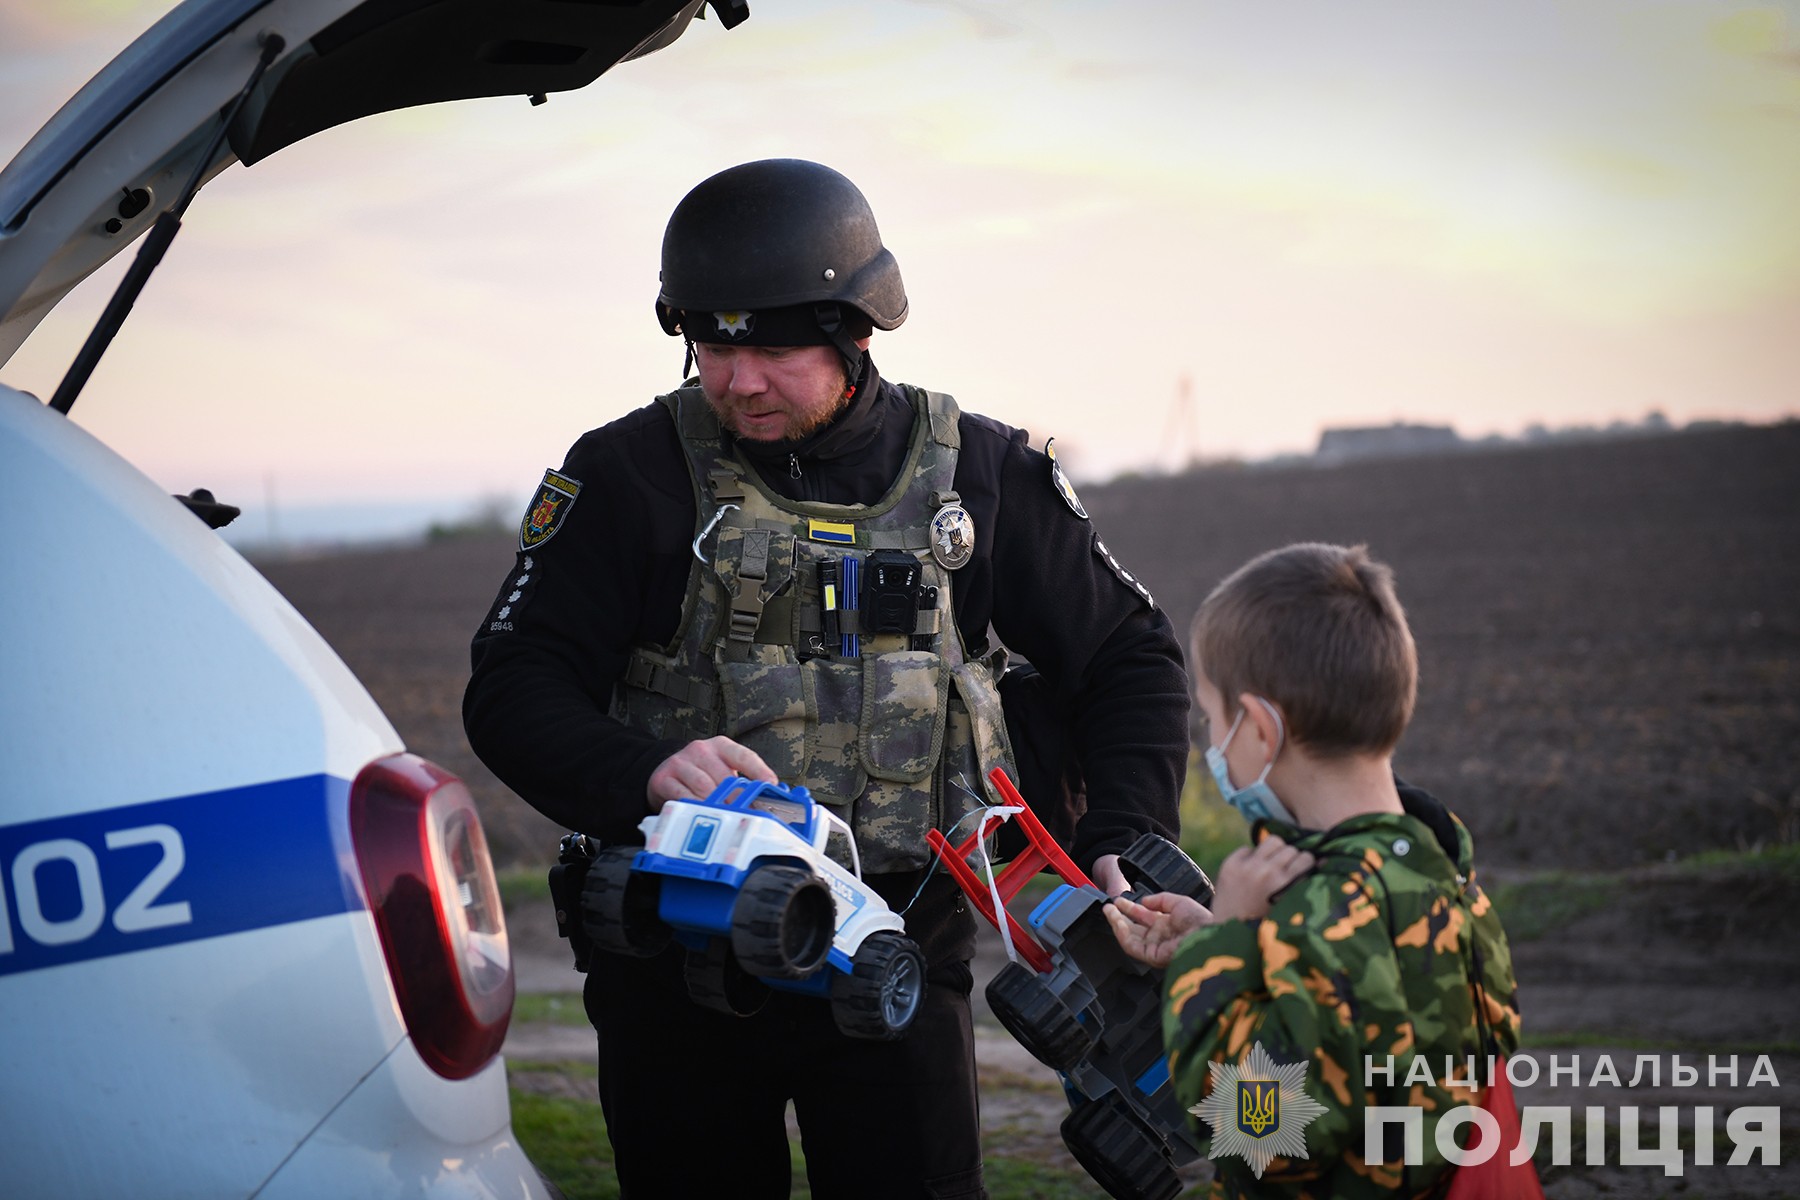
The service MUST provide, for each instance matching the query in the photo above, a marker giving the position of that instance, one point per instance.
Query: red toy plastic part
(1040, 851)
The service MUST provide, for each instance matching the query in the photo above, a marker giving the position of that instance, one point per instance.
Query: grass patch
(1543, 905)
(558, 1008)
(1022, 1179)
(566, 1137)
(523, 885)
(1210, 828)
(1782, 860)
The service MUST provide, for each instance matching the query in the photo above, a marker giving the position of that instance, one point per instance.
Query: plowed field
(1609, 633)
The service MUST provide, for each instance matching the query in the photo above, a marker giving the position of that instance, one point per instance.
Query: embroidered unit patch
(555, 497)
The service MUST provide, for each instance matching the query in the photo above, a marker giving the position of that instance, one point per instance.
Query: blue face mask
(1257, 800)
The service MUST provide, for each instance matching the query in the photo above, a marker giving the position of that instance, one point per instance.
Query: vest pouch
(834, 700)
(765, 710)
(660, 715)
(903, 714)
(959, 779)
(890, 821)
(754, 566)
(975, 685)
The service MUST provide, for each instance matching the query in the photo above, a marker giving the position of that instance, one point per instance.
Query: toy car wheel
(1119, 1151)
(1037, 1017)
(1155, 864)
(883, 991)
(715, 980)
(782, 923)
(618, 905)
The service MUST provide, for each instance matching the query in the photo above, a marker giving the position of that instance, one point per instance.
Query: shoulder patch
(1060, 481)
(1125, 577)
(548, 510)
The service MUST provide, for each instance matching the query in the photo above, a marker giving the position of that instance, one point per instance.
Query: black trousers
(695, 1100)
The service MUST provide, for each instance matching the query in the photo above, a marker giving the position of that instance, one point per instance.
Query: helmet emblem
(735, 325)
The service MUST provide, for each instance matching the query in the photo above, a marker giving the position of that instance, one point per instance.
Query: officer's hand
(1249, 880)
(1107, 876)
(698, 767)
(1151, 931)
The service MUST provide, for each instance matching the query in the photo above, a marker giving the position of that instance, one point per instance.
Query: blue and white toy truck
(743, 881)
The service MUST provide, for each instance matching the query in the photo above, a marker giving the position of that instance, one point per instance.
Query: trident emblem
(1259, 1105)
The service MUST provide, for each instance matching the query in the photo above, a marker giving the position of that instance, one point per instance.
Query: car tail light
(431, 889)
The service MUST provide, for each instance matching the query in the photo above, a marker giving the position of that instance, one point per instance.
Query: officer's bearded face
(772, 393)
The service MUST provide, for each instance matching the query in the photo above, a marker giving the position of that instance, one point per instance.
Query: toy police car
(743, 880)
(1083, 1007)
(248, 945)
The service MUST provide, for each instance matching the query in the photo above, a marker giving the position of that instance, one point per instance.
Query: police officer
(792, 569)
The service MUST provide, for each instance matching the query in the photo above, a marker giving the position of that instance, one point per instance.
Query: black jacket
(614, 574)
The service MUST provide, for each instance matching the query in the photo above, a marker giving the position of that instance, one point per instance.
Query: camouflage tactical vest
(898, 738)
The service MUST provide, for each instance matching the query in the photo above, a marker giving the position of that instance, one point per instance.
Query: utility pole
(1183, 426)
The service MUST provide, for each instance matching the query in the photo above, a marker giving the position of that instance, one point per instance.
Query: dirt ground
(1608, 637)
(1609, 644)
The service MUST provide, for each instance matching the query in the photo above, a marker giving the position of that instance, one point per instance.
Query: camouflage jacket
(1369, 955)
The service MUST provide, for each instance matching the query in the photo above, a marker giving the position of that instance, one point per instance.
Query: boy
(1354, 928)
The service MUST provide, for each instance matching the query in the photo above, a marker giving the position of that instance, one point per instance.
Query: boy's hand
(1250, 879)
(1151, 931)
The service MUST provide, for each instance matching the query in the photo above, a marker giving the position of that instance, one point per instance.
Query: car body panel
(139, 622)
(406, 1131)
(183, 1090)
(181, 913)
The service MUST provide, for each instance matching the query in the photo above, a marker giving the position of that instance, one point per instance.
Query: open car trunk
(124, 148)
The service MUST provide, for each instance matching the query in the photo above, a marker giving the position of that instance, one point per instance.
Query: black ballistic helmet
(790, 240)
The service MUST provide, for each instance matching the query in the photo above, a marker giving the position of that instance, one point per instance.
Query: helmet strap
(831, 320)
(687, 360)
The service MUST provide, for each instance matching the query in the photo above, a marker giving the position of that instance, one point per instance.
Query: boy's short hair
(1318, 630)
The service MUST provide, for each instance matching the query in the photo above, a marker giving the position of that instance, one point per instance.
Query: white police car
(743, 880)
(248, 945)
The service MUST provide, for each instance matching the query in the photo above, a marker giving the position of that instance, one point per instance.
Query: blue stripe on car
(176, 870)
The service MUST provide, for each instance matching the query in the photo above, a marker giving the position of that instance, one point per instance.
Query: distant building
(1385, 441)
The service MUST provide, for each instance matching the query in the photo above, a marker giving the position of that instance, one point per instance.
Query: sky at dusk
(1315, 212)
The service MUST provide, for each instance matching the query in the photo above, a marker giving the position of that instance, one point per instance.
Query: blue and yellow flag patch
(838, 533)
